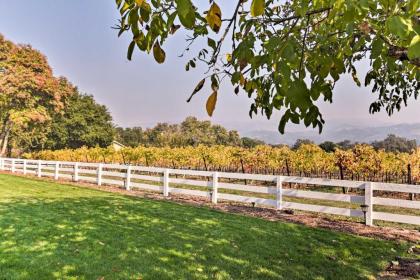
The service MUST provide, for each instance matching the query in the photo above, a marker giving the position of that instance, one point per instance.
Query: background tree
(190, 132)
(29, 96)
(328, 146)
(394, 143)
(130, 136)
(286, 55)
(300, 142)
(346, 145)
(248, 142)
(83, 123)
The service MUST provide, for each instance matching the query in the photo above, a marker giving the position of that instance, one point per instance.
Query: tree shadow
(118, 237)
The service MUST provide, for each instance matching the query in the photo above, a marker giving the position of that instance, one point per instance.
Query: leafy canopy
(287, 55)
(39, 110)
(30, 95)
(191, 132)
(83, 122)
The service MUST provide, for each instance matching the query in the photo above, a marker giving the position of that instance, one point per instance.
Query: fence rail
(213, 186)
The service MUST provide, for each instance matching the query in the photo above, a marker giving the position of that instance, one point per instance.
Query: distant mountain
(338, 133)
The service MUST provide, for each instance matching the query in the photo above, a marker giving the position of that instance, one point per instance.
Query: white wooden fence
(215, 185)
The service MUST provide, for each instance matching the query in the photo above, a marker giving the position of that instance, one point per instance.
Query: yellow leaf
(211, 103)
(158, 53)
(214, 17)
(139, 2)
(228, 57)
(242, 80)
(257, 7)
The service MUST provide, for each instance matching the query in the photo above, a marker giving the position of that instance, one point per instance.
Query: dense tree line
(40, 111)
(190, 132)
(394, 143)
(391, 143)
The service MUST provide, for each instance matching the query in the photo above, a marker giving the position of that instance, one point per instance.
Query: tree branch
(220, 42)
(402, 55)
(282, 20)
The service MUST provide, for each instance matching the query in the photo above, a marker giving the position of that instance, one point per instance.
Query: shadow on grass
(93, 235)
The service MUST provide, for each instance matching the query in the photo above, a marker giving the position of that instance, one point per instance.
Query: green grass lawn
(54, 231)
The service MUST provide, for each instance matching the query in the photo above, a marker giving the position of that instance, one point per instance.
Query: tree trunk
(345, 190)
(243, 169)
(409, 181)
(4, 141)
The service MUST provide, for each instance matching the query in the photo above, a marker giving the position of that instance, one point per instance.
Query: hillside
(338, 133)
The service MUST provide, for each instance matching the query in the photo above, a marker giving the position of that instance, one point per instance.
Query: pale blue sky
(76, 37)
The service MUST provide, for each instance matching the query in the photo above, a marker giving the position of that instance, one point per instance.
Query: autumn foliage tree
(29, 95)
(287, 55)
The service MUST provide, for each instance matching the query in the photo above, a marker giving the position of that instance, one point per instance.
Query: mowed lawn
(56, 231)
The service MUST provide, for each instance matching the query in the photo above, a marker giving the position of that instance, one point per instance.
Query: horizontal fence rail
(244, 188)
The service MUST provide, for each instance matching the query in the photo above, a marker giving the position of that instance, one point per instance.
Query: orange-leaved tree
(29, 95)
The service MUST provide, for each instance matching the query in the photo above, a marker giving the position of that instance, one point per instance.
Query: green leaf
(355, 78)
(214, 83)
(399, 26)
(133, 16)
(198, 87)
(171, 19)
(158, 53)
(294, 118)
(257, 7)
(130, 50)
(211, 103)
(298, 95)
(236, 90)
(284, 119)
(186, 13)
(377, 46)
(145, 11)
(414, 49)
(214, 17)
(211, 43)
(236, 77)
(140, 40)
(156, 3)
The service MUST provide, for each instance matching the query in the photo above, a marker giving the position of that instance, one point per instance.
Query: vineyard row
(362, 162)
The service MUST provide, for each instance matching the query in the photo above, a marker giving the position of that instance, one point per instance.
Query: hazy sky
(77, 38)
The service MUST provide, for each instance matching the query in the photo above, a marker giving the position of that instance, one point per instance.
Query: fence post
(128, 178)
(99, 178)
(13, 166)
(76, 172)
(215, 184)
(24, 166)
(1, 164)
(39, 169)
(57, 170)
(279, 193)
(166, 182)
(368, 203)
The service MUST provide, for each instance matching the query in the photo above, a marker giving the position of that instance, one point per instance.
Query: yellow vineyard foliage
(361, 163)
